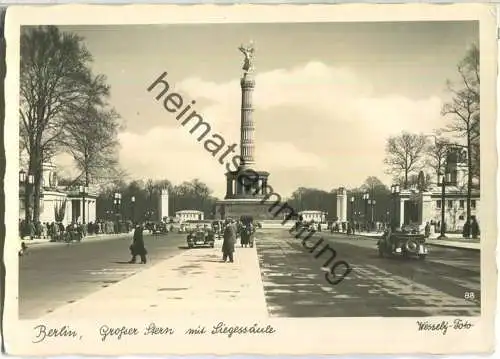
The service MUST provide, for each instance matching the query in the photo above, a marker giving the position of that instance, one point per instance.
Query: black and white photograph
(251, 172)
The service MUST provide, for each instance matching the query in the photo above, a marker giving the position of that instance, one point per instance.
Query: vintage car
(404, 244)
(306, 226)
(159, 228)
(201, 235)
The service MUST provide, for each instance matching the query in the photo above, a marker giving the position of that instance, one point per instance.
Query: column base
(259, 209)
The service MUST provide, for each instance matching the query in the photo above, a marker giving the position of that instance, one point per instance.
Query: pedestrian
(427, 230)
(229, 240)
(474, 227)
(466, 230)
(137, 247)
(23, 250)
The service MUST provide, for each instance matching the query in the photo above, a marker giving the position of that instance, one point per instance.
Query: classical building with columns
(246, 188)
(189, 215)
(414, 206)
(313, 216)
(59, 203)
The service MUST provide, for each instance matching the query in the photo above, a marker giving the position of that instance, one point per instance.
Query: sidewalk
(194, 283)
(452, 240)
(93, 237)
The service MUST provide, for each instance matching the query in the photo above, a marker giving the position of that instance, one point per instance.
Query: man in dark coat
(474, 227)
(137, 247)
(229, 240)
(466, 229)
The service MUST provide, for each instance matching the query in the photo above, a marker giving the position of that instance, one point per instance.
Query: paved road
(55, 274)
(295, 285)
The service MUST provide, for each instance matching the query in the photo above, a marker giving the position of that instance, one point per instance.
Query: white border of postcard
(292, 336)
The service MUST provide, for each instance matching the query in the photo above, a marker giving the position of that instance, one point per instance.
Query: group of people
(57, 231)
(470, 228)
(230, 229)
(109, 227)
(54, 231)
(233, 229)
(352, 227)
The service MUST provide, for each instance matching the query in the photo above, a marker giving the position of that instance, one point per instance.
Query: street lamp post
(352, 209)
(117, 202)
(443, 181)
(395, 191)
(132, 200)
(350, 227)
(372, 203)
(83, 191)
(366, 199)
(118, 199)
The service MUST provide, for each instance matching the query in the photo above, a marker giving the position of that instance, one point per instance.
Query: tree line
(409, 153)
(64, 107)
(326, 201)
(196, 195)
(191, 195)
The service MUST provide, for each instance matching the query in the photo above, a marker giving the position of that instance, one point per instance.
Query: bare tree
(372, 183)
(436, 155)
(54, 75)
(464, 112)
(422, 184)
(163, 184)
(91, 134)
(404, 154)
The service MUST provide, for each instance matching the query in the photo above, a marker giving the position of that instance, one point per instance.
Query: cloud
(315, 125)
(285, 156)
(171, 153)
(338, 94)
(330, 116)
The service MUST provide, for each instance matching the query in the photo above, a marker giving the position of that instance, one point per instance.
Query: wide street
(293, 280)
(295, 285)
(55, 274)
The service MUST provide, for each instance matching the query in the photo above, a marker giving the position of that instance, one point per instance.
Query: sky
(327, 95)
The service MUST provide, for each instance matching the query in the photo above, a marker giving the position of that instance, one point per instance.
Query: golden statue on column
(249, 53)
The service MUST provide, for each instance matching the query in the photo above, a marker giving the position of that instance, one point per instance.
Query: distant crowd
(470, 228)
(56, 230)
(355, 226)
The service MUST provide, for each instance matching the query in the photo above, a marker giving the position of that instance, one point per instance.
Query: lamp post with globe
(395, 190)
(444, 180)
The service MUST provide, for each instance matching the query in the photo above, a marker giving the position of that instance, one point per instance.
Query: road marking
(109, 271)
(377, 284)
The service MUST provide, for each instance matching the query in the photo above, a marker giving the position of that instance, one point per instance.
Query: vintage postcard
(250, 179)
